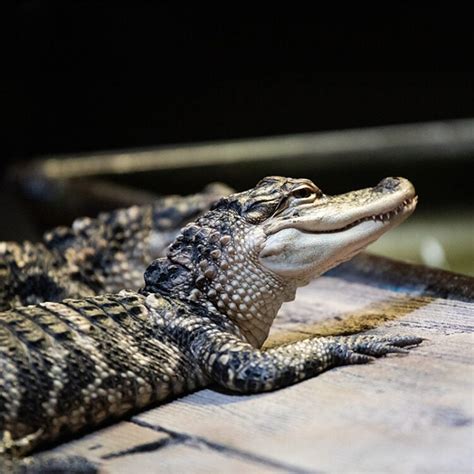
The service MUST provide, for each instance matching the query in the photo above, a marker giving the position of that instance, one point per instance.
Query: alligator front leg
(238, 366)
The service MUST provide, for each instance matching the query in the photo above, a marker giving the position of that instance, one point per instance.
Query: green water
(445, 240)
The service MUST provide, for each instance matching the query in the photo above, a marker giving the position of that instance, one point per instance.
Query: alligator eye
(302, 193)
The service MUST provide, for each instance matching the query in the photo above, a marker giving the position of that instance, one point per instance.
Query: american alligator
(201, 317)
(95, 256)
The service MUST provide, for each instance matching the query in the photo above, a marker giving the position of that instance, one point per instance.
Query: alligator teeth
(379, 217)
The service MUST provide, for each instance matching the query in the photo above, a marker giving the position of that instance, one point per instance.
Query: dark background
(82, 76)
(89, 76)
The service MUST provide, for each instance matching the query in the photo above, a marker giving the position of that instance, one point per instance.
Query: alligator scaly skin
(202, 317)
(97, 255)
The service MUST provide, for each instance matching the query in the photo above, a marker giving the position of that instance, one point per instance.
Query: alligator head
(250, 252)
(312, 233)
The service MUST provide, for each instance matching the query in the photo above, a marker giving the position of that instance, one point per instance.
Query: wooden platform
(399, 414)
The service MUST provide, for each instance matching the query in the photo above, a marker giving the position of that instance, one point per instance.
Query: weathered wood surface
(399, 414)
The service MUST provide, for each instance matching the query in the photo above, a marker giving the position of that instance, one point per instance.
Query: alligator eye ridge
(302, 193)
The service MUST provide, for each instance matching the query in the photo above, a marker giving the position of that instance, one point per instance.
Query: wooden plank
(111, 441)
(426, 141)
(183, 459)
(398, 414)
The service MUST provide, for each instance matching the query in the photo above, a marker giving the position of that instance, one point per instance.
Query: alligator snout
(388, 184)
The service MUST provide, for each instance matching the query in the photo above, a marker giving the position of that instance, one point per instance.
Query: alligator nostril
(388, 184)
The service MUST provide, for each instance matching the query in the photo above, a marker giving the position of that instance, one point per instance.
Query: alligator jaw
(307, 241)
(391, 216)
(391, 198)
